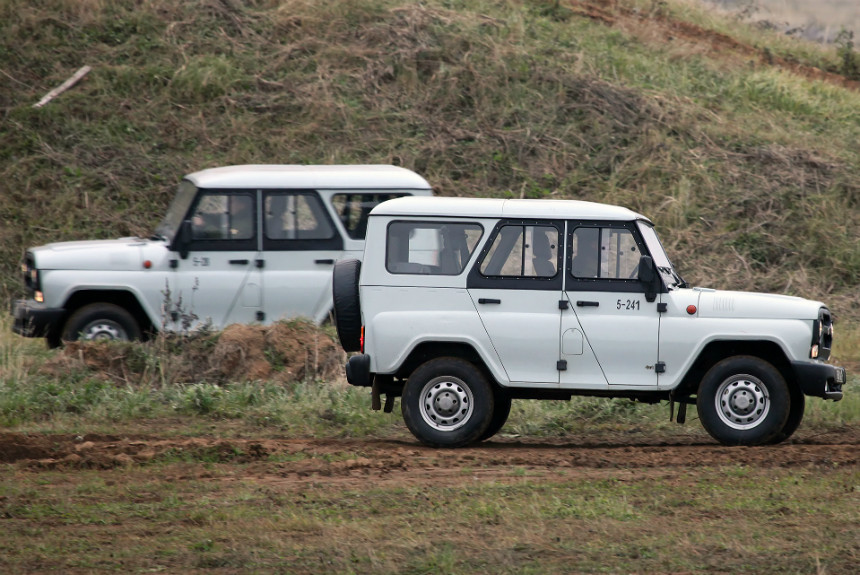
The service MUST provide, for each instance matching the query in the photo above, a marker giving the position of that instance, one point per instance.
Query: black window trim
(227, 244)
(477, 280)
(622, 285)
(333, 243)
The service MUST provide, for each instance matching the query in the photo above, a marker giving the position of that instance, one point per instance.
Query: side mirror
(648, 276)
(184, 239)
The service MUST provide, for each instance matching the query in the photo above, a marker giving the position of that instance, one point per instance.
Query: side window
(522, 251)
(353, 210)
(296, 216)
(223, 217)
(434, 248)
(604, 252)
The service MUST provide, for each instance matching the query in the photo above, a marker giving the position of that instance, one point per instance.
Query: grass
(741, 519)
(748, 168)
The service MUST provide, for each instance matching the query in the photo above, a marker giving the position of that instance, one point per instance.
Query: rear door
(300, 246)
(516, 286)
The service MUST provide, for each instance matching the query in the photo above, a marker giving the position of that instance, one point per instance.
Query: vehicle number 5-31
(630, 304)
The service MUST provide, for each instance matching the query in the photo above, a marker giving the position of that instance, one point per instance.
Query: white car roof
(346, 177)
(500, 208)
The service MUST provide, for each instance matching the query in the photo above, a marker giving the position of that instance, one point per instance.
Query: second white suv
(239, 244)
(462, 305)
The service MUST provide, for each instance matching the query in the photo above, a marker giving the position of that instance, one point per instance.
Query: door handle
(329, 261)
(581, 303)
(239, 262)
(488, 300)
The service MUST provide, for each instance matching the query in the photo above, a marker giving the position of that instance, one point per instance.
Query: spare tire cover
(347, 305)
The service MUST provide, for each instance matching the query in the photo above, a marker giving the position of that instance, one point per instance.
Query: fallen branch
(63, 87)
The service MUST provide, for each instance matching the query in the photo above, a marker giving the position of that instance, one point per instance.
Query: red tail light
(361, 339)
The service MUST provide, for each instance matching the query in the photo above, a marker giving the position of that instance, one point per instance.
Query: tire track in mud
(306, 461)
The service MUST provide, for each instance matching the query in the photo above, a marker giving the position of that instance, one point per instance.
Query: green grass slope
(740, 144)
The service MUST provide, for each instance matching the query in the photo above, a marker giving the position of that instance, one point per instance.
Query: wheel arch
(427, 350)
(122, 298)
(717, 351)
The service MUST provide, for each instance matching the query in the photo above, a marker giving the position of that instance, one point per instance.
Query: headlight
(822, 335)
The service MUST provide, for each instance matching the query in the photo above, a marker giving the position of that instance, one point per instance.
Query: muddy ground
(404, 461)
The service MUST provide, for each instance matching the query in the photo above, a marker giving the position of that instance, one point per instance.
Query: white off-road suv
(461, 305)
(239, 244)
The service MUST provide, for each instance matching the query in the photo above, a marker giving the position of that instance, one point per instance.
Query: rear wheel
(447, 402)
(743, 400)
(101, 322)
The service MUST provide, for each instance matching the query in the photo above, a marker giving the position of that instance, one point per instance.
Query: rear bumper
(32, 319)
(820, 379)
(358, 370)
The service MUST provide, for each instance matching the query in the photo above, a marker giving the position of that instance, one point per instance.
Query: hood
(119, 254)
(753, 305)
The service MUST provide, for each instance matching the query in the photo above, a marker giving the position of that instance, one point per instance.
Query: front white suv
(239, 244)
(461, 305)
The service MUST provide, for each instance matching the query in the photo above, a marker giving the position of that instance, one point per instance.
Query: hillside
(741, 144)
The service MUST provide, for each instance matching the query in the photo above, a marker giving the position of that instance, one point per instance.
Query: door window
(298, 221)
(523, 251)
(604, 252)
(223, 217)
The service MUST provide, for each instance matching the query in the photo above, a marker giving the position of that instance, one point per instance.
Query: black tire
(101, 321)
(447, 402)
(347, 304)
(795, 415)
(501, 411)
(743, 400)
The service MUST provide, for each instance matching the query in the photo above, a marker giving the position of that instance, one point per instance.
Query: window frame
(603, 284)
(334, 242)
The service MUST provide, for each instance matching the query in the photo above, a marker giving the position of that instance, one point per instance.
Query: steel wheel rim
(446, 403)
(103, 330)
(742, 402)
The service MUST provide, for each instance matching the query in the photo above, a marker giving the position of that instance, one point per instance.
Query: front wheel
(101, 321)
(743, 400)
(447, 402)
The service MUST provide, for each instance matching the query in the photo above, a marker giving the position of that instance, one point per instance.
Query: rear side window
(431, 248)
(353, 210)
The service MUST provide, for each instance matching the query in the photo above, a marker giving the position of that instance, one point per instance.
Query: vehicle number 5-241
(630, 304)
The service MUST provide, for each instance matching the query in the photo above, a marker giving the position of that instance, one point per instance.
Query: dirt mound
(282, 352)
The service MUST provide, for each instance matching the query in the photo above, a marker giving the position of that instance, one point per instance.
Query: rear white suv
(461, 305)
(239, 244)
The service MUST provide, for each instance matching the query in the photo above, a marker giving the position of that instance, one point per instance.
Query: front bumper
(820, 379)
(33, 319)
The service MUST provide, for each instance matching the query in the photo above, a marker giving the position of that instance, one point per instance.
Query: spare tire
(347, 305)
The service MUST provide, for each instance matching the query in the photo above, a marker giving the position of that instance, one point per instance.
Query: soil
(344, 462)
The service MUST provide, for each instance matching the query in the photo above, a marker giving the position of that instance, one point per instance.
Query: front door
(516, 288)
(218, 283)
(602, 288)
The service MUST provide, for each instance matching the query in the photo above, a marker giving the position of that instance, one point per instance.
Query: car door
(516, 286)
(218, 282)
(300, 247)
(617, 321)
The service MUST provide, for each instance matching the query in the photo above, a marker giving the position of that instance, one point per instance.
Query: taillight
(361, 339)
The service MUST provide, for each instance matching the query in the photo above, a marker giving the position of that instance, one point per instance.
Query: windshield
(178, 209)
(664, 266)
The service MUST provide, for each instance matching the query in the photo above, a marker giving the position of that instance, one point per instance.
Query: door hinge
(662, 307)
(260, 263)
(561, 365)
(261, 316)
(563, 304)
(660, 367)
